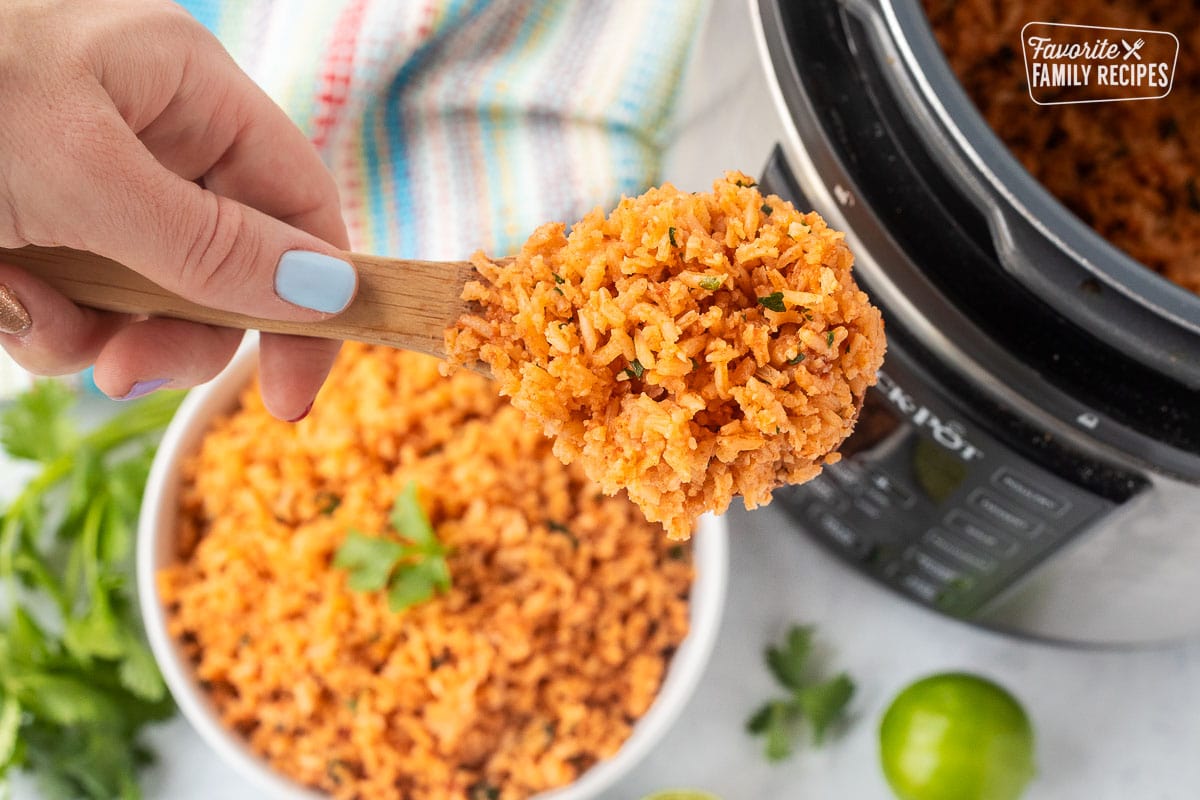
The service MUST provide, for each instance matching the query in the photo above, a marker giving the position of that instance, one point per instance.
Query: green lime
(681, 794)
(956, 737)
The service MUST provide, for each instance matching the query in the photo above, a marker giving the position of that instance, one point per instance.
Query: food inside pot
(1130, 170)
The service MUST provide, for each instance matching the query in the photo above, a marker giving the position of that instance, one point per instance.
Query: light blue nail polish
(143, 388)
(315, 280)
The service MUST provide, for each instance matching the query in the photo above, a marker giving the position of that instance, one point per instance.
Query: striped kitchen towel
(454, 125)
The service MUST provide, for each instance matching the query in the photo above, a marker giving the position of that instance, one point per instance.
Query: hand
(130, 132)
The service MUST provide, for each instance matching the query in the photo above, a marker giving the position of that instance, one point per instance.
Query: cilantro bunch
(77, 680)
(822, 703)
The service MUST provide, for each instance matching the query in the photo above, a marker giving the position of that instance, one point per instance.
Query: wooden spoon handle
(406, 304)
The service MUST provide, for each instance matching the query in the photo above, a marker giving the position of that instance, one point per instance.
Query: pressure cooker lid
(1102, 165)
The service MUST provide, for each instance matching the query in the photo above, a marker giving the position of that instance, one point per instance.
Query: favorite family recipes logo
(1088, 64)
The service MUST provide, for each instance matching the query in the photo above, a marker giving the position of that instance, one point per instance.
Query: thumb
(205, 247)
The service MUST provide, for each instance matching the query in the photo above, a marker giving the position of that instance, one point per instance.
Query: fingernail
(315, 280)
(303, 414)
(14, 319)
(143, 388)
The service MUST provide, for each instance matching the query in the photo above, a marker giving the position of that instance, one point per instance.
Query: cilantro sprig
(822, 703)
(411, 566)
(77, 680)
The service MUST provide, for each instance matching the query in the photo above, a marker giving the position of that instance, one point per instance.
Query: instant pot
(1030, 458)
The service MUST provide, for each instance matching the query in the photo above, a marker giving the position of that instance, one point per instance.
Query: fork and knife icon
(1132, 49)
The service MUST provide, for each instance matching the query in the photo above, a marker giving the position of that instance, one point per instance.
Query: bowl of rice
(566, 638)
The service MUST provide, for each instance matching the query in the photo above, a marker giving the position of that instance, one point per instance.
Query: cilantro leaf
(27, 639)
(760, 720)
(671, 236)
(774, 721)
(823, 703)
(97, 634)
(91, 762)
(788, 661)
(368, 560)
(773, 302)
(766, 209)
(64, 699)
(412, 568)
(711, 282)
(409, 520)
(139, 673)
(410, 587)
(10, 724)
(36, 427)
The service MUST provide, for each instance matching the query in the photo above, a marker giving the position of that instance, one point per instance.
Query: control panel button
(877, 497)
(935, 568)
(993, 541)
(921, 588)
(844, 535)
(887, 484)
(849, 476)
(1024, 490)
(824, 490)
(959, 552)
(865, 506)
(998, 511)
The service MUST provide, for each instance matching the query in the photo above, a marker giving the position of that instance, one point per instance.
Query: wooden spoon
(406, 304)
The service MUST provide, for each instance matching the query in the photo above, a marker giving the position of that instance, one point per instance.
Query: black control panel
(934, 505)
(940, 494)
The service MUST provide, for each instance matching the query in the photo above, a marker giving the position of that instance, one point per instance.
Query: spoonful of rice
(687, 348)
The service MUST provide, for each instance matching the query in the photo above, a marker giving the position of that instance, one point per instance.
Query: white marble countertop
(1110, 725)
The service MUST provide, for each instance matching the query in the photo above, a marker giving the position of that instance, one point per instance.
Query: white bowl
(155, 550)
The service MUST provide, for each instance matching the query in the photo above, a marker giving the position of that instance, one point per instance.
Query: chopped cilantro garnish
(483, 791)
(635, 369)
(559, 279)
(558, 527)
(671, 236)
(711, 282)
(766, 209)
(744, 184)
(796, 359)
(558, 289)
(327, 502)
(829, 338)
(773, 302)
(412, 568)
